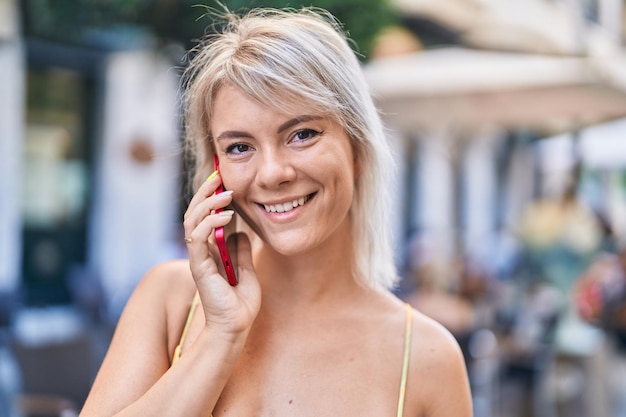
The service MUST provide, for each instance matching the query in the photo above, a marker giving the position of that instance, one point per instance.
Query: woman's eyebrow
(296, 121)
(233, 134)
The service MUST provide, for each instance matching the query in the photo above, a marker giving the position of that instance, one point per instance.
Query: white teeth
(285, 207)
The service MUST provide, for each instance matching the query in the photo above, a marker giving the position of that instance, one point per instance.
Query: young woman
(312, 328)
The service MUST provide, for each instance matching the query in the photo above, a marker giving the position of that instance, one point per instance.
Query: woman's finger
(194, 216)
(206, 190)
(202, 240)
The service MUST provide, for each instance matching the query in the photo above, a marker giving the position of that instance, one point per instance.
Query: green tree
(182, 21)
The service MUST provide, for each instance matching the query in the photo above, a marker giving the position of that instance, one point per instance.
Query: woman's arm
(136, 378)
(439, 377)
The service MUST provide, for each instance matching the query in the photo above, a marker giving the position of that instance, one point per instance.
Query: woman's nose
(275, 168)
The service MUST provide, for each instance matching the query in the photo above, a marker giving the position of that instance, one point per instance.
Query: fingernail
(213, 175)
(227, 213)
(226, 193)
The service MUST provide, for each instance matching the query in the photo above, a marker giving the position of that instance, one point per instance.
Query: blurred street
(508, 124)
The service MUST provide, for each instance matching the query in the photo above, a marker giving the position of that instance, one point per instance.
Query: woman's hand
(227, 309)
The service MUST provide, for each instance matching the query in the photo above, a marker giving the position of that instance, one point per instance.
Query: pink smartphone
(221, 237)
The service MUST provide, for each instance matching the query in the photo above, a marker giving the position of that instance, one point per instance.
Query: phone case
(220, 238)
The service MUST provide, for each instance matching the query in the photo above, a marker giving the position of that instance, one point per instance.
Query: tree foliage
(182, 21)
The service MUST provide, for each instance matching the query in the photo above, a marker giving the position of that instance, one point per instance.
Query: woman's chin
(288, 245)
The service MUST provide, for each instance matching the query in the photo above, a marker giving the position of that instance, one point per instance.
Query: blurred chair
(10, 378)
(58, 370)
(56, 354)
(45, 406)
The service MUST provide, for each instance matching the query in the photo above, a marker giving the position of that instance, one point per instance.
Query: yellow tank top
(405, 360)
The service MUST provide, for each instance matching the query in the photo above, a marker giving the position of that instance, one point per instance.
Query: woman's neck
(323, 274)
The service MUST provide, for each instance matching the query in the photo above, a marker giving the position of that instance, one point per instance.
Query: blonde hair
(283, 57)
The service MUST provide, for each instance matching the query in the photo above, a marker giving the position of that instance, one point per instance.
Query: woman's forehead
(287, 105)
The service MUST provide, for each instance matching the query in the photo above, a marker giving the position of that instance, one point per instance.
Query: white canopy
(535, 26)
(469, 89)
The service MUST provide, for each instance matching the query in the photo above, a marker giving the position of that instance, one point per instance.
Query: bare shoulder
(169, 281)
(168, 275)
(438, 375)
(432, 341)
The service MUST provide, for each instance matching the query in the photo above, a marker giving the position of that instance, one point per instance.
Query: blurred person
(427, 275)
(311, 328)
(561, 238)
(600, 295)
(600, 292)
(433, 298)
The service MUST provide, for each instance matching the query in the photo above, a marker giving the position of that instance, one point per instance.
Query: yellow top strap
(405, 362)
(192, 310)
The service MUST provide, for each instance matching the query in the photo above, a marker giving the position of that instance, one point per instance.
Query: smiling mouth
(288, 206)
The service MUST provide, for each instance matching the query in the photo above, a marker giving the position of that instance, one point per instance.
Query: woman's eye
(306, 134)
(237, 148)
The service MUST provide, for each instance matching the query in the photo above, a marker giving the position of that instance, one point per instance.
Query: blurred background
(508, 123)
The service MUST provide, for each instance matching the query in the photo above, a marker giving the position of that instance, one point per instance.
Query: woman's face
(292, 173)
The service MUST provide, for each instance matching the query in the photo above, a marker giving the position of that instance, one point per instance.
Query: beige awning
(533, 26)
(469, 89)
